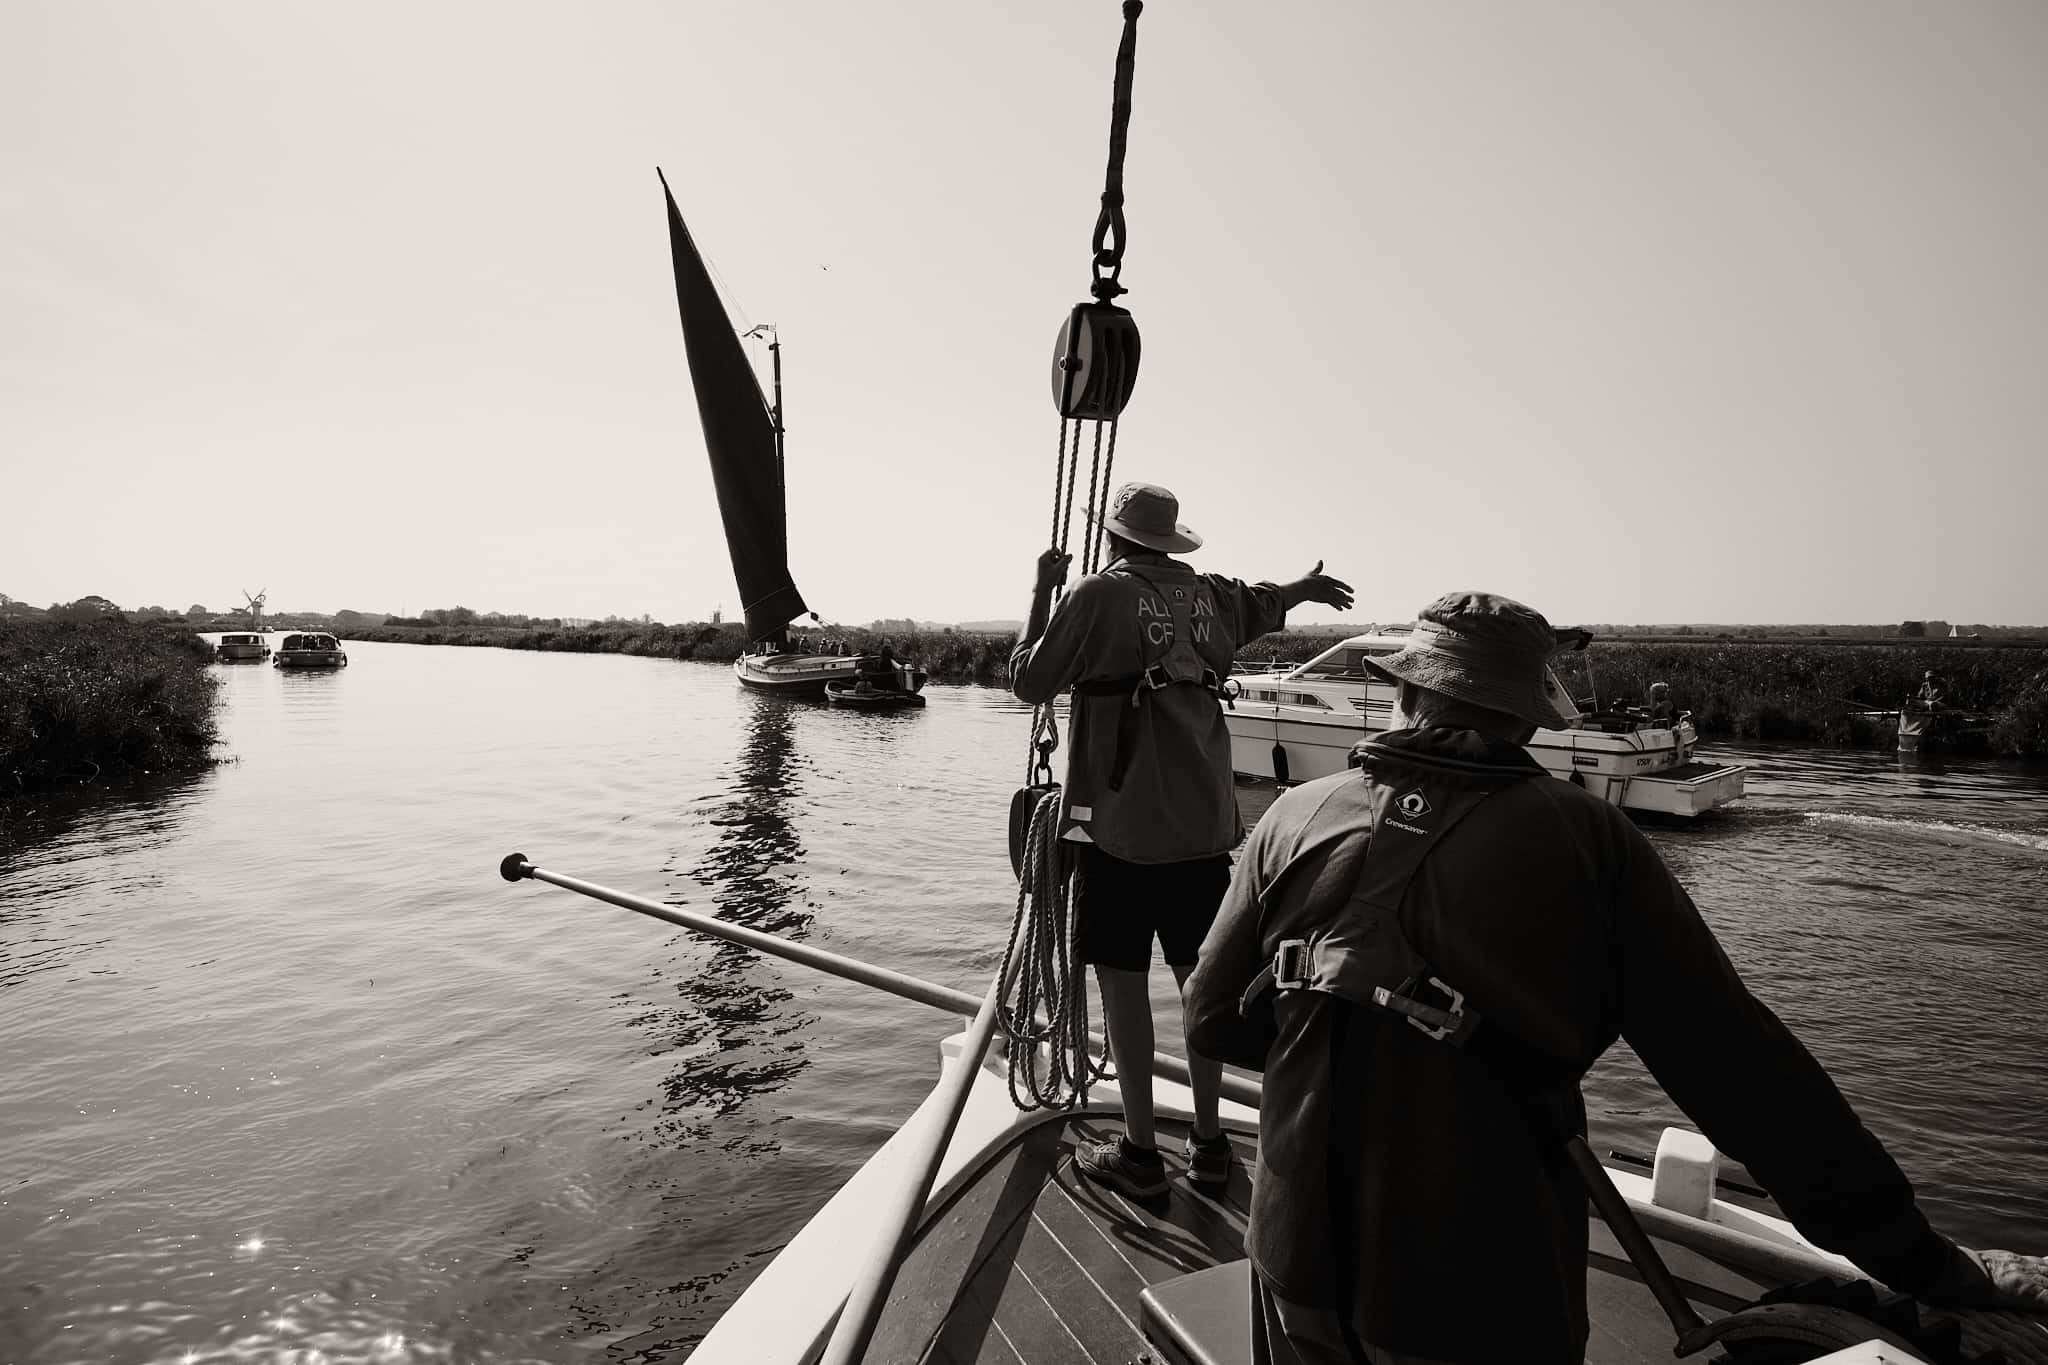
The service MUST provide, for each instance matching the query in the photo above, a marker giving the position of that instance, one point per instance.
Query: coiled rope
(1044, 997)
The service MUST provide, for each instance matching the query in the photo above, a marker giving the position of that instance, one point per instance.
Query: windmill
(255, 607)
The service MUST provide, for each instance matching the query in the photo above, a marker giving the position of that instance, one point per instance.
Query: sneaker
(1121, 1165)
(1209, 1159)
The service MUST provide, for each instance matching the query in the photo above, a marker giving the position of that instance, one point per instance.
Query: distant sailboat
(743, 436)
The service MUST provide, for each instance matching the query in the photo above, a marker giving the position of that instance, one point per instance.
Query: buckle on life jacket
(1291, 965)
(1157, 675)
(1438, 1024)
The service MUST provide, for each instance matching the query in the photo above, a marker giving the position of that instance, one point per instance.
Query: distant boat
(237, 648)
(1918, 725)
(311, 649)
(743, 436)
(863, 695)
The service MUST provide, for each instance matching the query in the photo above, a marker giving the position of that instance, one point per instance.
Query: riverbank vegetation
(86, 699)
(1735, 688)
(948, 655)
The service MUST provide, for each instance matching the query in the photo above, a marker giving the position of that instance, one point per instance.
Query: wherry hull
(794, 675)
(831, 676)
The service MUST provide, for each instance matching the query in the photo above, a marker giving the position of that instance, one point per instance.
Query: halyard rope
(1043, 992)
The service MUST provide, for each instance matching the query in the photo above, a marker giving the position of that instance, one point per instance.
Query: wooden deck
(1030, 1263)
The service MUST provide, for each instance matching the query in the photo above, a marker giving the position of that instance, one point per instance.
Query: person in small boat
(1425, 954)
(1931, 693)
(1659, 704)
(1150, 805)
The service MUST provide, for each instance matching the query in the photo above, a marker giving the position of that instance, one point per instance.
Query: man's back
(1150, 767)
(1398, 1175)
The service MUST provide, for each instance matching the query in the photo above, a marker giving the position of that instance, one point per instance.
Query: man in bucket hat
(1425, 955)
(1149, 803)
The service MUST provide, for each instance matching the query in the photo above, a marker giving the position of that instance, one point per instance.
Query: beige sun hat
(1481, 648)
(1149, 515)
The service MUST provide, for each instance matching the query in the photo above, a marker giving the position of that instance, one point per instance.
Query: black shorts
(1119, 907)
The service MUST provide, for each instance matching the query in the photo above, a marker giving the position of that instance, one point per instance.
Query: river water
(292, 1075)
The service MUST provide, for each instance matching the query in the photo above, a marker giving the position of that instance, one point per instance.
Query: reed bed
(81, 700)
(952, 656)
(1735, 689)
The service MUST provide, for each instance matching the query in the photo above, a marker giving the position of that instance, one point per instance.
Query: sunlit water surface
(292, 1075)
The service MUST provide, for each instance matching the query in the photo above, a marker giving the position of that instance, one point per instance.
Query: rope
(1059, 472)
(1067, 513)
(1108, 464)
(1091, 518)
(1109, 227)
(1043, 991)
(1043, 1000)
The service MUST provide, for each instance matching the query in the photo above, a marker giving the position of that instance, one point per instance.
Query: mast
(775, 407)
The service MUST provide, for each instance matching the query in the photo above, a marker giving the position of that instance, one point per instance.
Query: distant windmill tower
(255, 608)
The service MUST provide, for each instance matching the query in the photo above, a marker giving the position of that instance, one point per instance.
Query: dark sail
(740, 437)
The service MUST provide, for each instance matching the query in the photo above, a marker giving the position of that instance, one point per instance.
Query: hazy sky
(1638, 312)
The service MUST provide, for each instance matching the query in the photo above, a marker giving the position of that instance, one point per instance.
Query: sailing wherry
(743, 434)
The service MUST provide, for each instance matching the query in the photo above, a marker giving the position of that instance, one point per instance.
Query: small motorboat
(310, 650)
(866, 695)
(242, 648)
(1919, 726)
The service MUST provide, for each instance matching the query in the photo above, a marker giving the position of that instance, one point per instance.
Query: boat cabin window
(1343, 661)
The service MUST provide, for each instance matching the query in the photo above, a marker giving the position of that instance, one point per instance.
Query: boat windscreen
(1344, 661)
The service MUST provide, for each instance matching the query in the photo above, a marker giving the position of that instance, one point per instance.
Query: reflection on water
(728, 1026)
(751, 870)
(292, 1074)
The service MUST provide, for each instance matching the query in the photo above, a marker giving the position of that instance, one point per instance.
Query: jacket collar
(1448, 750)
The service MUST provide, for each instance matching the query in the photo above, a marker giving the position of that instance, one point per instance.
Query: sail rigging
(740, 437)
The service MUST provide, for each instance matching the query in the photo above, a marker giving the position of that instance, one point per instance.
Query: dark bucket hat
(1484, 649)
(1149, 515)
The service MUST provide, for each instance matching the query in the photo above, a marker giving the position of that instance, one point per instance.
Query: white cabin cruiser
(1297, 724)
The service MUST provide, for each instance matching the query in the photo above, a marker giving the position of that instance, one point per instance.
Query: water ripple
(293, 1075)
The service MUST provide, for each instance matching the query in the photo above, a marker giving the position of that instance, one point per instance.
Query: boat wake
(1945, 830)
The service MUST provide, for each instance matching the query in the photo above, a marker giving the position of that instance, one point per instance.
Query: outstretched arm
(1316, 586)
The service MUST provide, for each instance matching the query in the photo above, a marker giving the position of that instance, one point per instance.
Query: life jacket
(1178, 657)
(1347, 940)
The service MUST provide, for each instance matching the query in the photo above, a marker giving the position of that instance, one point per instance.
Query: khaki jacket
(1149, 783)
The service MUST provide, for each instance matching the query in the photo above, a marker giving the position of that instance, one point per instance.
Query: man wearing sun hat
(1149, 802)
(1425, 955)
